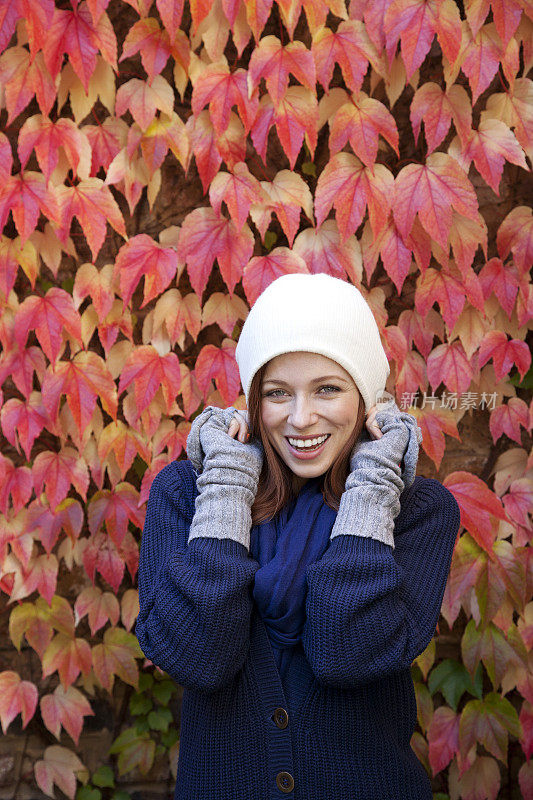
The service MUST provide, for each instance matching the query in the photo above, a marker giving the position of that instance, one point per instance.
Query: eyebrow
(317, 380)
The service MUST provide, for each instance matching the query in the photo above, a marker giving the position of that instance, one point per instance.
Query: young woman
(293, 567)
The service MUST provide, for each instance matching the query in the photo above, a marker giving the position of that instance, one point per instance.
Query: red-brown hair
(275, 489)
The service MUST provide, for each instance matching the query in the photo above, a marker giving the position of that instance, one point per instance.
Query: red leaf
(262, 270)
(502, 279)
(222, 90)
(153, 43)
(171, 12)
(351, 48)
(148, 371)
(23, 78)
(515, 235)
(432, 191)
(360, 122)
(143, 99)
(437, 107)
(93, 204)
(348, 186)
(57, 471)
(22, 421)
(286, 196)
(116, 509)
(47, 137)
(204, 237)
(238, 190)
(449, 364)
(142, 256)
(48, 316)
(478, 506)
(322, 250)
(443, 736)
(218, 365)
(504, 353)
(416, 22)
(15, 482)
(26, 195)
(210, 149)
(274, 62)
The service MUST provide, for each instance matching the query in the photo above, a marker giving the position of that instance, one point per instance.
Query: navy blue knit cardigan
(340, 726)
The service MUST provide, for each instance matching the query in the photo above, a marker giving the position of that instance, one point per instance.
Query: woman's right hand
(211, 439)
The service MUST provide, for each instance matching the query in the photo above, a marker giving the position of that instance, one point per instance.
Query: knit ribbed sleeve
(371, 608)
(195, 599)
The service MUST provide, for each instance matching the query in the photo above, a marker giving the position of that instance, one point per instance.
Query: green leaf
(164, 691)
(120, 794)
(453, 679)
(160, 720)
(140, 704)
(88, 793)
(526, 383)
(134, 750)
(103, 776)
(142, 725)
(308, 168)
(170, 738)
(146, 681)
(270, 240)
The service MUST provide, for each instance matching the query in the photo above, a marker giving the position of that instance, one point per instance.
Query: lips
(306, 454)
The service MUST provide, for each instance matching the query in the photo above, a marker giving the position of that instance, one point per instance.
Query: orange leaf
(504, 353)
(142, 256)
(148, 371)
(238, 190)
(437, 107)
(65, 708)
(24, 78)
(296, 117)
(222, 90)
(143, 99)
(56, 472)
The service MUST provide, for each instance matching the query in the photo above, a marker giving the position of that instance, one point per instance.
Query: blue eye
(273, 392)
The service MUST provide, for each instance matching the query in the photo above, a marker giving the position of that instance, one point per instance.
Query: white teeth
(301, 444)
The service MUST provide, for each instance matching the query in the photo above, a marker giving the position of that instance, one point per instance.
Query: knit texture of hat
(314, 313)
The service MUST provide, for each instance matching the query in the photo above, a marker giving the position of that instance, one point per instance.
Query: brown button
(280, 717)
(285, 782)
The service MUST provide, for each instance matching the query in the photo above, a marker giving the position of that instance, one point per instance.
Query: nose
(302, 414)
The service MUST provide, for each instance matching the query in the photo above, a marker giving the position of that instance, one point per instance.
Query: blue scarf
(284, 546)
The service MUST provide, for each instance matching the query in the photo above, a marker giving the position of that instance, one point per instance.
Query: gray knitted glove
(380, 469)
(228, 473)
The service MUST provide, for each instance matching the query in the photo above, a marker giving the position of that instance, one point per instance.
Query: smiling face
(306, 396)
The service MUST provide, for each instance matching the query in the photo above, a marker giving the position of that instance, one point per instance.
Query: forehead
(303, 365)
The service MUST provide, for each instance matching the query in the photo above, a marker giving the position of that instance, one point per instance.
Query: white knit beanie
(316, 313)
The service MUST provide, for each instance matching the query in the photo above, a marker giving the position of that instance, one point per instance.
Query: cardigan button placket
(281, 718)
(285, 782)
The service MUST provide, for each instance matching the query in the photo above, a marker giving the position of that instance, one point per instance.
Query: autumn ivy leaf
(323, 251)
(432, 191)
(295, 118)
(505, 13)
(116, 656)
(15, 483)
(96, 284)
(93, 204)
(175, 313)
(83, 380)
(286, 196)
(437, 107)
(262, 270)
(205, 237)
(238, 189)
(478, 504)
(46, 138)
(449, 364)
(149, 371)
(74, 32)
(218, 364)
(316, 12)
(489, 147)
(210, 149)
(106, 140)
(141, 255)
(274, 62)
(515, 108)
(164, 134)
(489, 721)
(125, 443)
(360, 122)
(348, 186)
(22, 421)
(26, 195)
(66, 708)
(439, 286)
(515, 235)
(49, 316)
(416, 22)
(351, 48)
(99, 607)
(480, 57)
(56, 472)
(222, 90)
(257, 14)
(17, 697)
(389, 244)
(443, 730)
(143, 99)
(224, 311)
(171, 12)
(23, 79)
(505, 353)
(115, 508)
(10, 13)
(153, 43)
